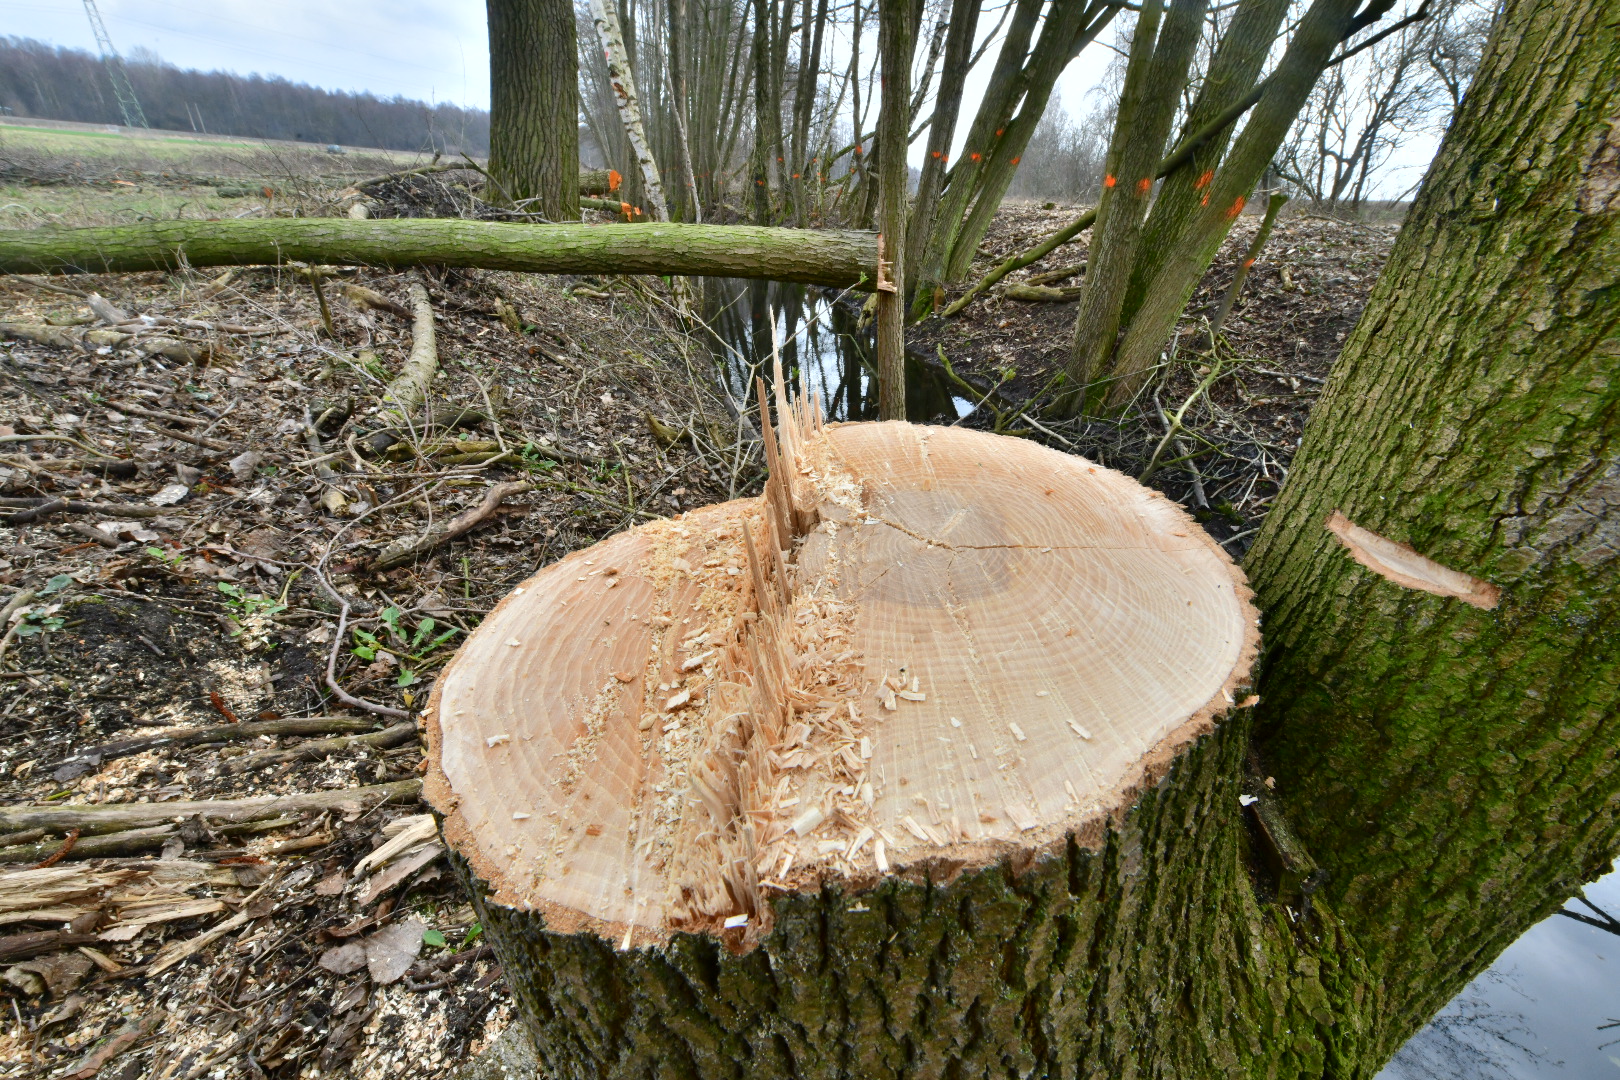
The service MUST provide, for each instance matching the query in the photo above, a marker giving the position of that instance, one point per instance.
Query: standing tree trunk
(895, 37)
(534, 106)
(1452, 763)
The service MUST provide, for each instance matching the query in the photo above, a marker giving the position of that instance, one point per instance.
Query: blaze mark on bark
(1401, 564)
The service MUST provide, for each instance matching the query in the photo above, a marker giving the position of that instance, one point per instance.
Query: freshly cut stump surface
(921, 646)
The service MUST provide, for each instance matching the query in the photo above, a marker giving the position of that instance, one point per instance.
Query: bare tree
(1364, 110)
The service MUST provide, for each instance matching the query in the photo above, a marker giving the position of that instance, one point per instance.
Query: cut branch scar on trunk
(1402, 564)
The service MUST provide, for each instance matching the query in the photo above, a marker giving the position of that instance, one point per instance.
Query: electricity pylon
(128, 104)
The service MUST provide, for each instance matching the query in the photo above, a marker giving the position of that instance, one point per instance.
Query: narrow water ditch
(821, 341)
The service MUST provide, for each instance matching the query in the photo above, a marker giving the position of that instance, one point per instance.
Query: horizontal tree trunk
(839, 259)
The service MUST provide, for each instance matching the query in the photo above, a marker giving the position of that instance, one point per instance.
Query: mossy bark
(839, 259)
(1453, 768)
(1148, 957)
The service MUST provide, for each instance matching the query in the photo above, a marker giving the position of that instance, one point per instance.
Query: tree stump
(838, 781)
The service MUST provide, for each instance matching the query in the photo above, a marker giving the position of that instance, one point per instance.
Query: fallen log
(816, 257)
(1042, 294)
(386, 739)
(112, 817)
(865, 769)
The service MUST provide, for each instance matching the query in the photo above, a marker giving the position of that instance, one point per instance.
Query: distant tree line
(41, 80)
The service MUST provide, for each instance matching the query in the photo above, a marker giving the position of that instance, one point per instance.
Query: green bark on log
(1454, 768)
(839, 259)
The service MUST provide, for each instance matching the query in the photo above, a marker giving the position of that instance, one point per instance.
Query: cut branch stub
(970, 648)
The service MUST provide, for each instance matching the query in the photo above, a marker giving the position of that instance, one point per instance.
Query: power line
(128, 104)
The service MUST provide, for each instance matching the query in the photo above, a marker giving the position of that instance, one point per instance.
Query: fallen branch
(338, 638)
(128, 842)
(74, 506)
(1052, 277)
(360, 296)
(15, 947)
(408, 390)
(304, 725)
(72, 337)
(386, 739)
(1042, 294)
(404, 550)
(839, 258)
(127, 1036)
(112, 817)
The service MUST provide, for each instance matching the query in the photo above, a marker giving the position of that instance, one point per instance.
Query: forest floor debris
(194, 610)
(1238, 436)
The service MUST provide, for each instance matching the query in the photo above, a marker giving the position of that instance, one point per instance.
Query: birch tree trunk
(605, 14)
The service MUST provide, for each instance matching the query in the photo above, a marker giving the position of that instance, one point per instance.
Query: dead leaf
(344, 959)
(391, 951)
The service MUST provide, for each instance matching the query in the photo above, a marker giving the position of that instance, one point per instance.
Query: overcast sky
(430, 51)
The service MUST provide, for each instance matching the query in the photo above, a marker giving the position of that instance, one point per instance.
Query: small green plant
(412, 645)
(245, 605)
(532, 459)
(432, 937)
(45, 619)
(170, 559)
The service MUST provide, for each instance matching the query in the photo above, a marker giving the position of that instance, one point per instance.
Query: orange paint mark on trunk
(1109, 181)
(1236, 208)
(1203, 181)
(1144, 185)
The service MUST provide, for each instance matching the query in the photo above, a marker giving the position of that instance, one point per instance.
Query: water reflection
(820, 341)
(1549, 1006)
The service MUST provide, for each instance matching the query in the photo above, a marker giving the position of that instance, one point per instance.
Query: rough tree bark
(1453, 768)
(815, 257)
(534, 106)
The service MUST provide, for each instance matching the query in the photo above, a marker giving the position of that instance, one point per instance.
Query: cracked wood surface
(981, 648)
